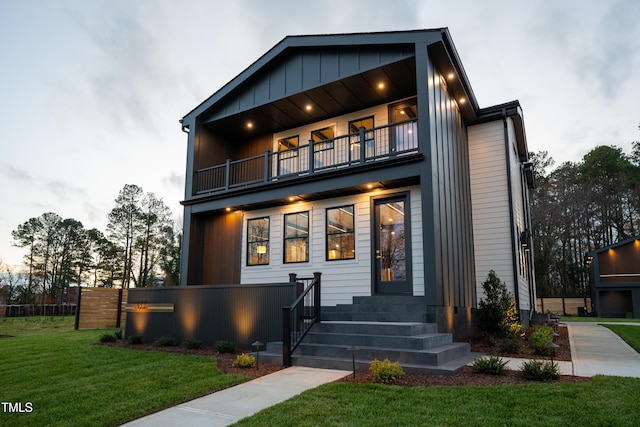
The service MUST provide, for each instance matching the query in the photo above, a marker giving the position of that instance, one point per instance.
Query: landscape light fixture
(257, 345)
(353, 359)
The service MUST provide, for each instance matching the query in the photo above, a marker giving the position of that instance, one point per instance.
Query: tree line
(140, 247)
(578, 207)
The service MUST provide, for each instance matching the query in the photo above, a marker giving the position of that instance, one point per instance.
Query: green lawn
(630, 334)
(596, 319)
(604, 401)
(69, 381)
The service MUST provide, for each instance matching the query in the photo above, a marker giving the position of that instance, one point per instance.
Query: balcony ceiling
(340, 97)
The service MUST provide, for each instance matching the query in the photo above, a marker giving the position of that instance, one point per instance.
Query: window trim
(285, 238)
(249, 242)
(352, 232)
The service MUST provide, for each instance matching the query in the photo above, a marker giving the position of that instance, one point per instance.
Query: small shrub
(192, 344)
(540, 337)
(107, 337)
(165, 341)
(510, 346)
(493, 365)
(244, 361)
(118, 333)
(135, 339)
(223, 346)
(540, 370)
(385, 371)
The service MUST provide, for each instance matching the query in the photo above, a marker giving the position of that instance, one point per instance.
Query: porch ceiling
(339, 97)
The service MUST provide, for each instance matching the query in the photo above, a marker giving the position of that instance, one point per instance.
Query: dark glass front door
(392, 269)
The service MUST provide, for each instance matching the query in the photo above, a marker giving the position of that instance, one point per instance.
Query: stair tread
(404, 350)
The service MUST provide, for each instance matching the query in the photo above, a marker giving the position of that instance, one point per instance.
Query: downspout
(512, 220)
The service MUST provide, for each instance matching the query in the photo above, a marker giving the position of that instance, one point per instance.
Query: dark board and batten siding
(238, 313)
(304, 70)
(454, 260)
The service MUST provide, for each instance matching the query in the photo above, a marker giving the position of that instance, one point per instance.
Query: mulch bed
(465, 376)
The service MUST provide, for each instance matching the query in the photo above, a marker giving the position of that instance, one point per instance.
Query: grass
(596, 319)
(630, 334)
(70, 381)
(603, 401)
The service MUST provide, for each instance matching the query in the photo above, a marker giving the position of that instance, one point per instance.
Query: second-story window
(296, 237)
(341, 242)
(354, 142)
(258, 241)
(288, 155)
(323, 152)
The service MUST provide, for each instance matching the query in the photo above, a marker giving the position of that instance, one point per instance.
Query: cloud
(65, 191)
(17, 174)
(174, 180)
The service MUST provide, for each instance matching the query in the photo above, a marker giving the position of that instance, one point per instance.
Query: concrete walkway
(597, 350)
(594, 350)
(227, 406)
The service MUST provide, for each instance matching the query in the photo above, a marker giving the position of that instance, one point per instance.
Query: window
(288, 143)
(323, 155)
(322, 134)
(287, 156)
(354, 142)
(340, 233)
(296, 237)
(258, 241)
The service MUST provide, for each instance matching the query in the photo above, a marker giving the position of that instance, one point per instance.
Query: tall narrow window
(288, 155)
(296, 237)
(354, 142)
(341, 242)
(258, 241)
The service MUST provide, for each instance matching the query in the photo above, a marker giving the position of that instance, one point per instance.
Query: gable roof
(613, 246)
(357, 53)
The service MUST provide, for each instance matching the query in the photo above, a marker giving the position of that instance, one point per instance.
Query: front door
(391, 239)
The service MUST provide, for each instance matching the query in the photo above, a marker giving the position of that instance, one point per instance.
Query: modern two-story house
(366, 158)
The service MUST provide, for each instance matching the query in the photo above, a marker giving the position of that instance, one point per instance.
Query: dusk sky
(91, 91)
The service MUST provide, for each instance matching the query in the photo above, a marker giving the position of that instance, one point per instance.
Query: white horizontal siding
(343, 279)
(340, 124)
(490, 204)
(519, 191)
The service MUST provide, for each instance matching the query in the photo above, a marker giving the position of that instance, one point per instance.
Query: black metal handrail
(298, 318)
(366, 145)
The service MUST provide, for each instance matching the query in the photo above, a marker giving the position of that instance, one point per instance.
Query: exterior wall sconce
(525, 237)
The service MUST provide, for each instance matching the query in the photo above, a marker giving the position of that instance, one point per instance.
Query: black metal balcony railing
(381, 143)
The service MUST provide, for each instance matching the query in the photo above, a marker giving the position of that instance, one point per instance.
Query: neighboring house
(614, 276)
(364, 157)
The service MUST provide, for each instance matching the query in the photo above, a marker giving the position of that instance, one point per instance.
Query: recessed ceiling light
(291, 199)
(380, 85)
(308, 107)
(450, 76)
(462, 100)
(228, 209)
(249, 125)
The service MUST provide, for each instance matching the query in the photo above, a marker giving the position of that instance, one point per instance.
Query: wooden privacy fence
(555, 305)
(100, 308)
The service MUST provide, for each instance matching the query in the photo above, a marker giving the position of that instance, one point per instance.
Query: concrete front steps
(378, 328)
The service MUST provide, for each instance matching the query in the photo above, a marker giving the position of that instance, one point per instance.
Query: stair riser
(390, 300)
(375, 329)
(367, 355)
(381, 341)
(375, 308)
(373, 317)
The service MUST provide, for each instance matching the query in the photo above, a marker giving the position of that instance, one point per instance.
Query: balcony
(379, 144)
